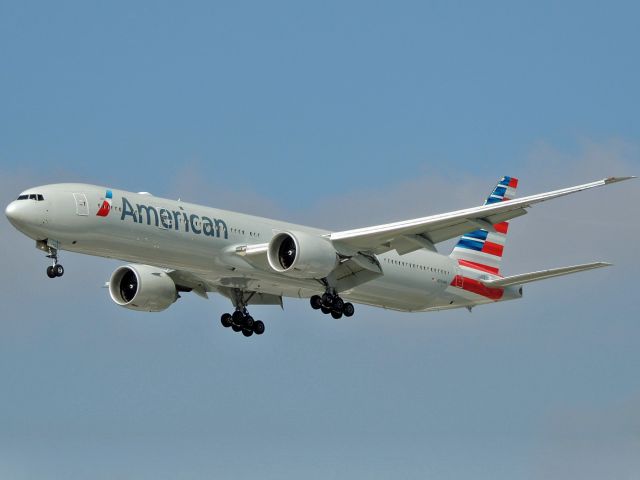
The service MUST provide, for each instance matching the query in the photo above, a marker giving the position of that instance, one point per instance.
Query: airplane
(175, 247)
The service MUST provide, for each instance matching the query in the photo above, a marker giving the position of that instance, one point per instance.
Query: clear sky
(333, 114)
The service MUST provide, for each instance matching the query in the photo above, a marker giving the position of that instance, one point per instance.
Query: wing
(410, 235)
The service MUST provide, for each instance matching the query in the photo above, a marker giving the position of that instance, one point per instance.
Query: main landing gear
(331, 303)
(241, 321)
(55, 270)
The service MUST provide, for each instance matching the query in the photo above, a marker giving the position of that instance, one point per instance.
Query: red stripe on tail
(492, 249)
(501, 227)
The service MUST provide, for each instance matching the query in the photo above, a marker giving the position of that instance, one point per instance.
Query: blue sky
(337, 114)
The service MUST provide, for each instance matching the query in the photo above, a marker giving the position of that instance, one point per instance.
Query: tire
(258, 327)
(316, 302)
(236, 328)
(50, 272)
(246, 332)
(327, 299)
(325, 310)
(338, 305)
(348, 309)
(58, 270)
(336, 315)
(237, 317)
(248, 322)
(225, 319)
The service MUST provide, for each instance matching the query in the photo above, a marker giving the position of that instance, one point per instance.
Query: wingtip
(609, 180)
(603, 264)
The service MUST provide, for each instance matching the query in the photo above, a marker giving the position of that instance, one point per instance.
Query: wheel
(248, 322)
(348, 309)
(325, 310)
(338, 304)
(58, 270)
(225, 319)
(336, 315)
(237, 317)
(316, 302)
(258, 327)
(246, 332)
(236, 328)
(327, 299)
(50, 272)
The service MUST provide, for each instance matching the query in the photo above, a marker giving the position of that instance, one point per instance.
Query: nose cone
(28, 215)
(13, 213)
(23, 214)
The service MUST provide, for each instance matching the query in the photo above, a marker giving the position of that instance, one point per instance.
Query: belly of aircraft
(395, 290)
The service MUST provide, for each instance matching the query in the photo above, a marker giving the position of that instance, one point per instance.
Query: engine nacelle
(143, 288)
(302, 255)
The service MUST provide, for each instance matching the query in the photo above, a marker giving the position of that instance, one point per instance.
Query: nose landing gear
(55, 270)
(331, 303)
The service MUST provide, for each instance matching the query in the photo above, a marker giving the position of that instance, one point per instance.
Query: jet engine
(142, 288)
(302, 255)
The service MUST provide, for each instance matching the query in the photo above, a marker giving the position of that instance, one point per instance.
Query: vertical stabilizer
(481, 250)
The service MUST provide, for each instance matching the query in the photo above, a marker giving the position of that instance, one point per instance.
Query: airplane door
(82, 206)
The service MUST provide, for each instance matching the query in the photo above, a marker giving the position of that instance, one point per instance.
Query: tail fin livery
(481, 249)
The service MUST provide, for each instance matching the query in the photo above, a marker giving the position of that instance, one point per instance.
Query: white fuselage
(144, 229)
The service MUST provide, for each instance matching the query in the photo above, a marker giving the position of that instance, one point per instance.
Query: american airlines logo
(105, 208)
(174, 219)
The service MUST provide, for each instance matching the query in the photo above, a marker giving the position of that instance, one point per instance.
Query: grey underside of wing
(200, 287)
(248, 297)
(191, 281)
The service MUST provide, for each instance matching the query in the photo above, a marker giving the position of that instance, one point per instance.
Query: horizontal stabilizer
(541, 275)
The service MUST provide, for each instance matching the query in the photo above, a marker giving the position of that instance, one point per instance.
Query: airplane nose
(16, 213)
(27, 216)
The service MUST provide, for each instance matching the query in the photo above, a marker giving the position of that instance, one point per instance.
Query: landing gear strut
(331, 303)
(54, 270)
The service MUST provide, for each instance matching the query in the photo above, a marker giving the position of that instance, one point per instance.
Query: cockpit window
(38, 197)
